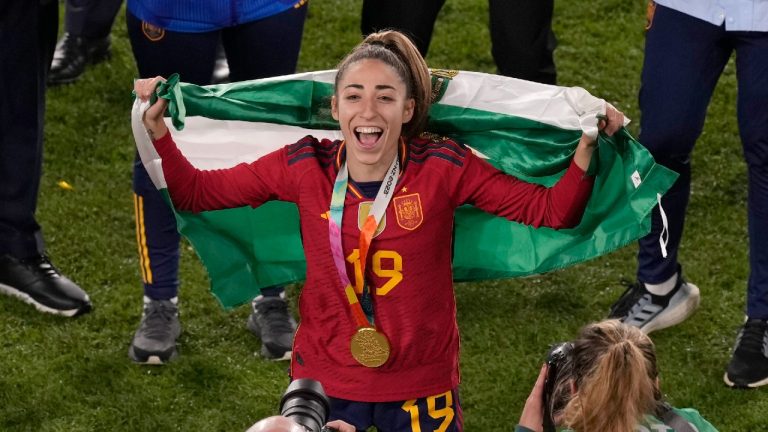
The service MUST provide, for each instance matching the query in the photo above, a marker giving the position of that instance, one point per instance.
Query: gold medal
(369, 347)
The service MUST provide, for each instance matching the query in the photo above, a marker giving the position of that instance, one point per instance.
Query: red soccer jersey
(409, 263)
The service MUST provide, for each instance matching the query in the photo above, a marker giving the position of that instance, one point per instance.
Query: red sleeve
(198, 190)
(559, 206)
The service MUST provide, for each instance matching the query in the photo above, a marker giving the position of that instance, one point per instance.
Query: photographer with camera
(606, 380)
(304, 407)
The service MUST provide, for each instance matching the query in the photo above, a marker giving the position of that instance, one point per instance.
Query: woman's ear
(574, 390)
(334, 108)
(410, 105)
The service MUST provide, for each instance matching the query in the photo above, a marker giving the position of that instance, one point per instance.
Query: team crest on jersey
(408, 211)
(152, 32)
(362, 214)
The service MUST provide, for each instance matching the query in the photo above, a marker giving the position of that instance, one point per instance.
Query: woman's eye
(386, 98)
(352, 97)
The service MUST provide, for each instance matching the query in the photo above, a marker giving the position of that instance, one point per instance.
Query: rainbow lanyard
(375, 215)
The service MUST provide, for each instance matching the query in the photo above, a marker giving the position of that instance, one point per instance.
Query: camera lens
(557, 358)
(305, 403)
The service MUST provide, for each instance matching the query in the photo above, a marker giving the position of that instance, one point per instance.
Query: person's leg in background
(27, 35)
(161, 52)
(414, 18)
(221, 67)
(749, 364)
(259, 49)
(87, 24)
(522, 39)
(684, 57)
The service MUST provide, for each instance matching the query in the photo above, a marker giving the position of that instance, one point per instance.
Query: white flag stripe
(212, 144)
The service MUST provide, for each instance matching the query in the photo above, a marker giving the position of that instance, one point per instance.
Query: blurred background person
(86, 40)
(522, 40)
(261, 38)
(687, 47)
(27, 38)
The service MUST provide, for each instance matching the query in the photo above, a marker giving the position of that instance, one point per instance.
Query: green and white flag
(527, 129)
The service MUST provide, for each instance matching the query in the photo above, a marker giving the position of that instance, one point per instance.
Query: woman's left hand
(612, 122)
(533, 412)
(609, 124)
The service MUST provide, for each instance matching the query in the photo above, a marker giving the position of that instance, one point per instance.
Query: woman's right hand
(533, 412)
(153, 117)
(341, 426)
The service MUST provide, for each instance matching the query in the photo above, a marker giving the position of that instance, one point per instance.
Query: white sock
(663, 288)
(174, 300)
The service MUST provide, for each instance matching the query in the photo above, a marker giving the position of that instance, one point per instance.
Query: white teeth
(368, 129)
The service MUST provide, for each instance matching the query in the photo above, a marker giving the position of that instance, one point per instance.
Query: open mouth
(368, 136)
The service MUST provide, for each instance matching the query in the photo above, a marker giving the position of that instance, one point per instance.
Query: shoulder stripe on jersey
(448, 145)
(422, 158)
(302, 156)
(440, 147)
(293, 148)
(307, 140)
(310, 147)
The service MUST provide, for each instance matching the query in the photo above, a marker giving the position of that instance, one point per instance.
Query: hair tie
(386, 45)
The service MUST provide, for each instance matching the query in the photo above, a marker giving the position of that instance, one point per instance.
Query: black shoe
(36, 281)
(155, 340)
(639, 308)
(72, 54)
(271, 321)
(749, 364)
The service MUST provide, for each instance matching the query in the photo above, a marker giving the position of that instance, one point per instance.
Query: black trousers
(521, 31)
(258, 49)
(27, 39)
(90, 18)
(684, 59)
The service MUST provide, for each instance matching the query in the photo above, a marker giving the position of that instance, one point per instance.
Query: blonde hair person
(608, 382)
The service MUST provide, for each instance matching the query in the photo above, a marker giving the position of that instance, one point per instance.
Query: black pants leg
(90, 18)
(28, 36)
(522, 39)
(416, 18)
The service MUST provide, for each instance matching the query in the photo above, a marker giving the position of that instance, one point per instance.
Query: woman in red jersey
(378, 315)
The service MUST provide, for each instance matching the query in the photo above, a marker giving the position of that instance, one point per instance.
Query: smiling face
(371, 104)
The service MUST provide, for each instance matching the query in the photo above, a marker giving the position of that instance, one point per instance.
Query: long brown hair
(613, 368)
(396, 50)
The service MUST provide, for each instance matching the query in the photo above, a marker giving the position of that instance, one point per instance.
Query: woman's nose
(368, 108)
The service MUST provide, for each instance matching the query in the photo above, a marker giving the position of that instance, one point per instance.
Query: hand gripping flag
(527, 129)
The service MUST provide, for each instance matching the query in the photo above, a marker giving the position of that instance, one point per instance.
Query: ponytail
(614, 372)
(396, 50)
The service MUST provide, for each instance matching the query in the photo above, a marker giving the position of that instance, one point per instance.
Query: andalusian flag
(524, 128)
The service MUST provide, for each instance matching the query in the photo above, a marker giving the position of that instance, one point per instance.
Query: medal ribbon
(379, 207)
